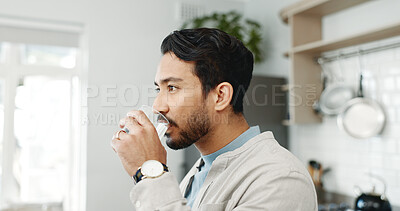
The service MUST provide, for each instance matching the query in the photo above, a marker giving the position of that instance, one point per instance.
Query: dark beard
(197, 126)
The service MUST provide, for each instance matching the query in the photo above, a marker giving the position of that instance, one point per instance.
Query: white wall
(124, 38)
(275, 33)
(364, 17)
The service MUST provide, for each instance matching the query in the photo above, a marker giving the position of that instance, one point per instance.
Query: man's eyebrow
(166, 80)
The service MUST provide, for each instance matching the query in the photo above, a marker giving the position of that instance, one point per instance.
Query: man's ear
(223, 96)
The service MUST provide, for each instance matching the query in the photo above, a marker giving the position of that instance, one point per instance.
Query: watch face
(152, 168)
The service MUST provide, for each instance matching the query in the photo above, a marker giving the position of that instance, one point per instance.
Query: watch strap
(139, 175)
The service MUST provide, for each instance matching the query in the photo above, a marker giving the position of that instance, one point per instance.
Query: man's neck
(222, 134)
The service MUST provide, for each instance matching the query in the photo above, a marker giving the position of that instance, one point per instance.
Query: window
(49, 55)
(39, 121)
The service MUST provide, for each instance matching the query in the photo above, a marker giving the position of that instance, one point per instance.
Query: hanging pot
(362, 117)
(333, 97)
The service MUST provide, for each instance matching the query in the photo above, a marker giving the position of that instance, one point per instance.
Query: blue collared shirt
(200, 176)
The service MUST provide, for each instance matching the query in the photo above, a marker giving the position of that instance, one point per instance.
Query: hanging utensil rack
(359, 52)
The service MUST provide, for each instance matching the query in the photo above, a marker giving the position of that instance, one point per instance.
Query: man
(201, 79)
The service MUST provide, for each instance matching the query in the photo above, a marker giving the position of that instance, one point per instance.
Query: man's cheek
(188, 97)
(172, 101)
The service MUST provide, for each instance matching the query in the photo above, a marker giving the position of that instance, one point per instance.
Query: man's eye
(171, 88)
(157, 89)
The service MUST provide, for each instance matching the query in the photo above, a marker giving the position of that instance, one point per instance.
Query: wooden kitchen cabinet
(305, 21)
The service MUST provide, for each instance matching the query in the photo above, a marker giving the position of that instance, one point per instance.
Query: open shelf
(369, 36)
(305, 21)
(318, 7)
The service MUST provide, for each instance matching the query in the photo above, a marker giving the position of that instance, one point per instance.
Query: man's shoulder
(257, 170)
(265, 153)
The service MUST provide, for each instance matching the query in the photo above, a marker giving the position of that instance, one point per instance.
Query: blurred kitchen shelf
(287, 122)
(317, 7)
(321, 46)
(305, 21)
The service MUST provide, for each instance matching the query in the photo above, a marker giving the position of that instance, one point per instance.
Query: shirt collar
(236, 143)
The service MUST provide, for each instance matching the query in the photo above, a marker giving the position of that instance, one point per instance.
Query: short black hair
(218, 56)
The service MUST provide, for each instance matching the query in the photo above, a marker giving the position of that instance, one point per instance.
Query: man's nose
(160, 104)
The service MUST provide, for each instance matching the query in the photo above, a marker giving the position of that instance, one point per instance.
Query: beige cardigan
(260, 175)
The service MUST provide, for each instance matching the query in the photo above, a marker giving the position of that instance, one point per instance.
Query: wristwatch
(150, 169)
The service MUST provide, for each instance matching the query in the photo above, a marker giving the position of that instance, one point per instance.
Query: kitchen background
(119, 46)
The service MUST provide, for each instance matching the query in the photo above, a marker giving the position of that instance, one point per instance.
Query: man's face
(180, 99)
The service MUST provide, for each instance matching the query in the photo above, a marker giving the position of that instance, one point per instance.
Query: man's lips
(169, 128)
(170, 125)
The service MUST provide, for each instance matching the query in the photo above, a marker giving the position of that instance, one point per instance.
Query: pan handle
(360, 89)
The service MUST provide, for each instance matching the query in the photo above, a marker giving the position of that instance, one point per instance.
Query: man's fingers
(141, 117)
(115, 144)
(118, 134)
(122, 123)
(117, 138)
(135, 119)
(121, 134)
(132, 125)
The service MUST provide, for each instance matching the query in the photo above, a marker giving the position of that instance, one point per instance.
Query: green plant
(248, 31)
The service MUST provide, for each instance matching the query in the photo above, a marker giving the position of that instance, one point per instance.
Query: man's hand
(141, 144)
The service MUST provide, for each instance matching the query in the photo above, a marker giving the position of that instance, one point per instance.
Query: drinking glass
(159, 121)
